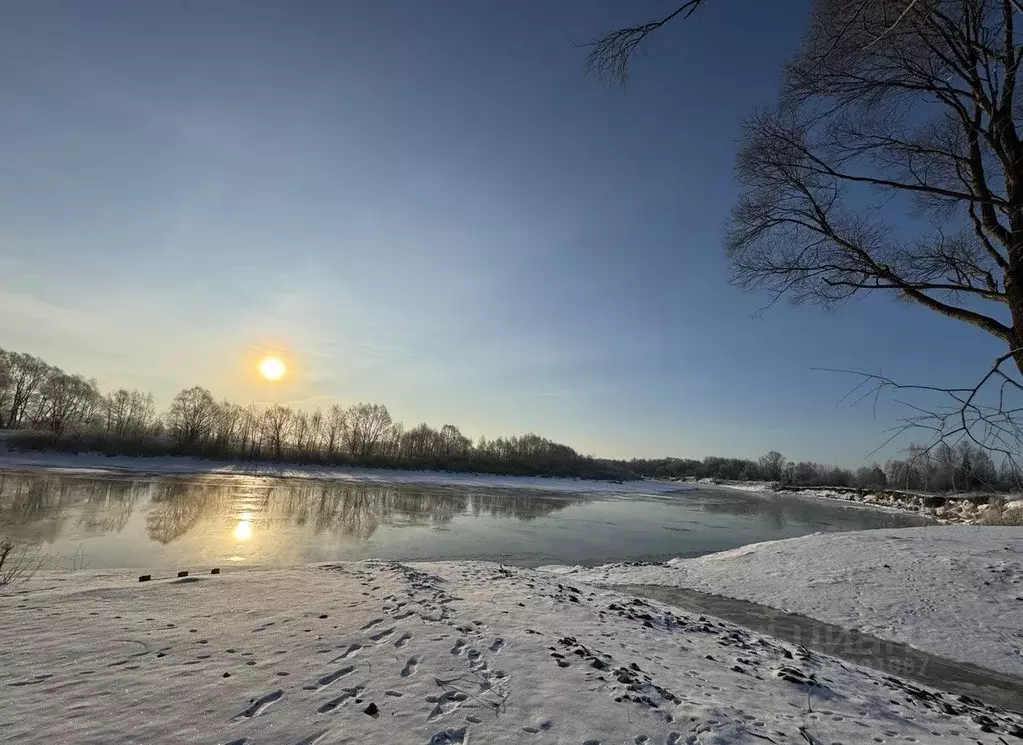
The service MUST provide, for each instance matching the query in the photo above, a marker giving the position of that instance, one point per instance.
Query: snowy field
(428, 654)
(100, 464)
(955, 591)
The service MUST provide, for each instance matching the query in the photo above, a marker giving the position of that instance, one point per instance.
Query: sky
(428, 205)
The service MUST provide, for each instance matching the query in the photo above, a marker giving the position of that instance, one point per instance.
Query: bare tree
(65, 400)
(26, 374)
(891, 163)
(367, 427)
(300, 432)
(277, 424)
(771, 465)
(127, 413)
(6, 385)
(878, 124)
(228, 425)
(334, 428)
(192, 416)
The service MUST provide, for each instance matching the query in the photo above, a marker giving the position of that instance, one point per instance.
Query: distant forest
(963, 466)
(50, 409)
(55, 410)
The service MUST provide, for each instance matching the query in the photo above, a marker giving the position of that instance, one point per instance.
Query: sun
(272, 368)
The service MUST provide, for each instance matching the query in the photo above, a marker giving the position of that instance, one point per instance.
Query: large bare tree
(890, 163)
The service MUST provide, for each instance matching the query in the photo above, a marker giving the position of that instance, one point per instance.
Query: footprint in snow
(411, 665)
(459, 647)
(402, 640)
(329, 678)
(346, 695)
(259, 705)
(372, 623)
(353, 649)
(449, 737)
(381, 635)
(445, 703)
(497, 646)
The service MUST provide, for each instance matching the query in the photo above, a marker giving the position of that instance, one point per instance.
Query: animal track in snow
(411, 665)
(259, 705)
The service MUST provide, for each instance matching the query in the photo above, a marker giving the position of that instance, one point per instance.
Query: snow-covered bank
(955, 591)
(197, 466)
(431, 654)
(971, 509)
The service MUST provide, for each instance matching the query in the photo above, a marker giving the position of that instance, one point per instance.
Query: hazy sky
(426, 204)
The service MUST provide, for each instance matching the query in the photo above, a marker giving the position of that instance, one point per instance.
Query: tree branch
(610, 55)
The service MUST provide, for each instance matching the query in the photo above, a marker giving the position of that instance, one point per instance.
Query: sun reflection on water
(243, 530)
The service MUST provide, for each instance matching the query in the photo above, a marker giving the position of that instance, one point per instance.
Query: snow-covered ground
(177, 465)
(951, 509)
(955, 591)
(429, 654)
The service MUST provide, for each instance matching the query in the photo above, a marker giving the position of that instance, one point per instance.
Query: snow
(955, 591)
(85, 464)
(427, 654)
(955, 509)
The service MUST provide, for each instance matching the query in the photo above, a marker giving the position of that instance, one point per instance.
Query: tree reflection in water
(42, 506)
(167, 520)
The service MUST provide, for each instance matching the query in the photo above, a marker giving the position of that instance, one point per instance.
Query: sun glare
(243, 530)
(272, 368)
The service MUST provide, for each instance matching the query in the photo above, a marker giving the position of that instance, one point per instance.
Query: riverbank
(168, 465)
(954, 591)
(431, 654)
(969, 509)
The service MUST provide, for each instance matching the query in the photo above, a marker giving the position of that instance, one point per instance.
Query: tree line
(53, 409)
(963, 466)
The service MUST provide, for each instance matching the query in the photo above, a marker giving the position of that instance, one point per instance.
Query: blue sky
(427, 205)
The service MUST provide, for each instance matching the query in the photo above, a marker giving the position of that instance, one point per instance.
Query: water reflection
(188, 521)
(243, 530)
(781, 511)
(43, 507)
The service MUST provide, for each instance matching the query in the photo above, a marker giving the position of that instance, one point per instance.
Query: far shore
(177, 465)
